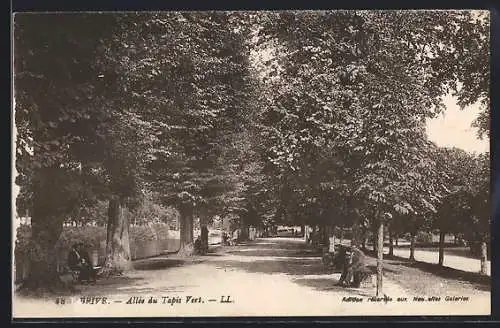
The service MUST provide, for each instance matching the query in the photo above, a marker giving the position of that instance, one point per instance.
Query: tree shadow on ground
(289, 266)
(298, 258)
(373, 269)
(329, 284)
(113, 281)
(479, 281)
(136, 285)
(104, 286)
(276, 243)
(482, 282)
(399, 266)
(128, 285)
(273, 252)
(279, 248)
(462, 251)
(161, 263)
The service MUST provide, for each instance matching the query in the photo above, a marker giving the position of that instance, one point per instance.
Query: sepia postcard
(251, 163)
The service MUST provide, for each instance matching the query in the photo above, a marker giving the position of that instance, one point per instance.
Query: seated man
(339, 258)
(358, 267)
(345, 259)
(78, 260)
(355, 270)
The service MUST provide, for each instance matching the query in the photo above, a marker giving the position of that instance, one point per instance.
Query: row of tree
(134, 103)
(294, 117)
(348, 96)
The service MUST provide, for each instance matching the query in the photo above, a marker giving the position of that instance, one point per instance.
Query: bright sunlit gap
(453, 128)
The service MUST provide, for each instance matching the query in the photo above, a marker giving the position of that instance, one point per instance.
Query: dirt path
(268, 277)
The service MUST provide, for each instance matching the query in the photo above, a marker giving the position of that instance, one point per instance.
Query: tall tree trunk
(242, 226)
(45, 231)
(357, 235)
(118, 257)
(246, 232)
(43, 275)
(204, 232)
(484, 258)
(186, 230)
(222, 230)
(321, 233)
(326, 235)
(375, 239)
(391, 242)
(364, 239)
(412, 246)
(441, 247)
(380, 256)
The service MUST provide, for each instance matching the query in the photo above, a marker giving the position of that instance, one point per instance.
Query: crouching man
(354, 269)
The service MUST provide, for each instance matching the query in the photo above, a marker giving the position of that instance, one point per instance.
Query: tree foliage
(275, 117)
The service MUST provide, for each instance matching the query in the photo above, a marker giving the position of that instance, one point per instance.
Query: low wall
(137, 251)
(164, 243)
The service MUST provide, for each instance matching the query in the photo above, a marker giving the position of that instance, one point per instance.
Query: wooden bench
(76, 273)
(369, 281)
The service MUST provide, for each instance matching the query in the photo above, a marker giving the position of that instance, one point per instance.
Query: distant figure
(251, 234)
(225, 238)
(197, 246)
(235, 237)
(315, 239)
(310, 237)
(79, 260)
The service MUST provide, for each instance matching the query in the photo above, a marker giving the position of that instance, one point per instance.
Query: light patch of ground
(452, 261)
